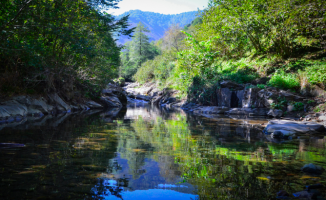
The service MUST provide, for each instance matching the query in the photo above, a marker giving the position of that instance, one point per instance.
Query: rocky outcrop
(59, 104)
(114, 96)
(286, 128)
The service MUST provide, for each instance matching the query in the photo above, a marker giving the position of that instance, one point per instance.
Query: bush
(284, 81)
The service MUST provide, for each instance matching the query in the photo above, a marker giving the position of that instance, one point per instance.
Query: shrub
(284, 80)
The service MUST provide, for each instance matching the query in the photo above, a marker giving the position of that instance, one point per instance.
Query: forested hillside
(157, 23)
(282, 41)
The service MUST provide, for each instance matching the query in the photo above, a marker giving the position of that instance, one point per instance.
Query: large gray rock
(210, 110)
(59, 103)
(116, 91)
(290, 128)
(248, 111)
(34, 105)
(12, 109)
(111, 101)
(231, 85)
(252, 99)
(275, 113)
(93, 104)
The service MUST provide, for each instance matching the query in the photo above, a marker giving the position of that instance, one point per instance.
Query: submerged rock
(312, 169)
(290, 128)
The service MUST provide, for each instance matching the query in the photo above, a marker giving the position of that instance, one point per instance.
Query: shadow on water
(151, 153)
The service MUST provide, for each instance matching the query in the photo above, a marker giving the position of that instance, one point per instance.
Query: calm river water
(147, 153)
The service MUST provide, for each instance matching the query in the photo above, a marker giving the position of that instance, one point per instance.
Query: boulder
(312, 169)
(34, 104)
(290, 128)
(116, 91)
(231, 85)
(59, 103)
(12, 109)
(34, 112)
(275, 113)
(210, 110)
(93, 104)
(248, 111)
(111, 101)
(253, 99)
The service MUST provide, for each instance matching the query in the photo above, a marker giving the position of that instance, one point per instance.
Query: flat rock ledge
(287, 128)
(20, 107)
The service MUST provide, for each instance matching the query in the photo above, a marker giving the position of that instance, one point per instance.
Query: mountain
(157, 23)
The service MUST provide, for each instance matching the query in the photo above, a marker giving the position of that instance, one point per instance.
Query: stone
(322, 118)
(252, 98)
(224, 97)
(12, 109)
(275, 113)
(41, 105)
(312, 169)
(59, 103)
(111, 101)
(93, 104)
(293, 127)
(34, 112)
(231, 85)
(248, 111)
(316, 91)
(210, 110)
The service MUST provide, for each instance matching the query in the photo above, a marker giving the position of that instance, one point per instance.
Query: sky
(160, 6)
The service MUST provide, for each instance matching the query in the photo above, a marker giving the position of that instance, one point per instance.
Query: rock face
(114, 96)
(275, 113)
(60, 105)
(11, 111)
(291, 128)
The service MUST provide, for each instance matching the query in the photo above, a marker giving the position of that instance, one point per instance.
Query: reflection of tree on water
(109, 187)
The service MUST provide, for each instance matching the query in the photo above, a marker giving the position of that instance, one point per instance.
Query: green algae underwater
(149, 153)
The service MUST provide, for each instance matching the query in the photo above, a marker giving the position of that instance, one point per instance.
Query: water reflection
(151, 153)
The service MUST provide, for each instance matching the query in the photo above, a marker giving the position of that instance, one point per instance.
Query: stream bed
(149, 153)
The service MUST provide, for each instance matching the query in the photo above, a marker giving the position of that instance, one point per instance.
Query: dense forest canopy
(58, 45)
(283, 40)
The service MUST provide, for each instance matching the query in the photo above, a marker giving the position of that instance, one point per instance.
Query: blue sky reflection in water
(144, 183)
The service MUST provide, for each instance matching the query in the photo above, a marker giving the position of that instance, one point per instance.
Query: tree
(58, 45)
(174, 38)
(140, 45)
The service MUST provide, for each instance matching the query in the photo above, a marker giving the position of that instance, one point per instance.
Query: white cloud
(160, 6)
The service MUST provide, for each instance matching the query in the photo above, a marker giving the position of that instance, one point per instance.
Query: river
(148, 153)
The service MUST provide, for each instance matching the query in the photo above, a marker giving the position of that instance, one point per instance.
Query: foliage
(284, 80)
(59, 45)
(298, 106)
(280, 104)
(137, 52)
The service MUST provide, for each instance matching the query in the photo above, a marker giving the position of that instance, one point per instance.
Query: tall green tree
(137, 51)
(140, 47)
